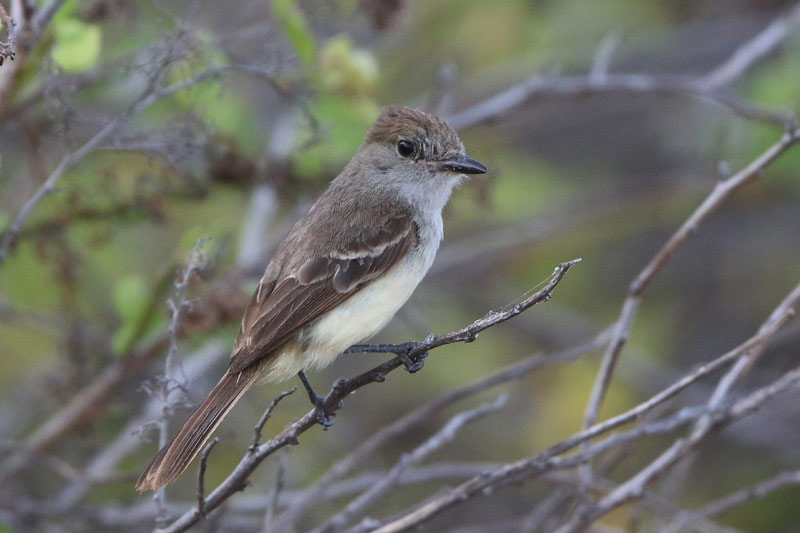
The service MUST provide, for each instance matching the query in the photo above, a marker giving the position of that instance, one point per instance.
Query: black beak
(463, 165)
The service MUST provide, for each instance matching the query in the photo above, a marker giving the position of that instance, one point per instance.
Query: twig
(724, 504)
(387, 482)
(170, 381)
(756, 48)
(534, 466)
(546, 461)
(263, 420)
(603, 56)
(83, 405)
(277, 490)
(748, 357)
(201, 477)
(93, 398)
(344, 387)
(635, 486)
(150, 95)
(567, 86)
(103, 463)
(721, 192)
(418, 416)
(7, 48)
(470, 333)
(743, 363)
(599, 81)
(541, 461)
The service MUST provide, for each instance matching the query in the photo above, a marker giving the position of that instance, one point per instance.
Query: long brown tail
(173, 458)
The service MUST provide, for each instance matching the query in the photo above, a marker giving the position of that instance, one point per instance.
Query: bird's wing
(279, 309)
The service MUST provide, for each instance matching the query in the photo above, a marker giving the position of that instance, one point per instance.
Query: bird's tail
(175, 457)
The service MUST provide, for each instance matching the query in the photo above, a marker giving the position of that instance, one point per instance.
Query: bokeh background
(235, 158)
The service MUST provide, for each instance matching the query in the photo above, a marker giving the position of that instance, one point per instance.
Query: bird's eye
(405, 148)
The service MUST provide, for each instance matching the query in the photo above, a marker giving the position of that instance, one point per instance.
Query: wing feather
(279, 310)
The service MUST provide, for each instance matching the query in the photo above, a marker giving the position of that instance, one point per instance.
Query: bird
(342, 272)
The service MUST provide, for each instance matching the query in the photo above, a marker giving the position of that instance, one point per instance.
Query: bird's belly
(363, 314)
(357, 318)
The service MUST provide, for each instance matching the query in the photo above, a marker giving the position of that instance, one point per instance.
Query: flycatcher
(343, 270)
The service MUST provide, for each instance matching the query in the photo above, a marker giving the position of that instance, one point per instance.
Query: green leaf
(77, 44)
(293, 22)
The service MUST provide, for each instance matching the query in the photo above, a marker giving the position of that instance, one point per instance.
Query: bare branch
(93, 398)
(419, 415)
(103, 463)
(755, 49)
(722, 505)
(548, 460)
(277, 491)
(387, 482)
(717, 417)
(201, 476)
(263, 420)
(622, 328)
(7, 47)
(569, 86)
(173, 383)
(603, 55)
(535, 466)
(749, 357)
(344, 387)
(149, 96)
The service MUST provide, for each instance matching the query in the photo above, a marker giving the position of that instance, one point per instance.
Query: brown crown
(398, 122)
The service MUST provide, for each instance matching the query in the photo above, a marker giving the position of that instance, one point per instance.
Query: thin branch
(748, 357)
(201, 476)
(599, 81)
(721, 192)
(93, 398)
(263, 420)
(277, 491)
(149, 96)
(603, 55)
(470, 333)
(535, 466)
(569, 86)
(635, 486)
(391, 479)
(172, 390)
(370, 445)
(7, 48)
(83, 405)
(755, 49)
(344, 387)
(546, 461)
(726, 503)
(104, 462)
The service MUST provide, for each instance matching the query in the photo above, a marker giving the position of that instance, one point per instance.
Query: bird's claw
(323, 418)
(415, 364)
(321, 414)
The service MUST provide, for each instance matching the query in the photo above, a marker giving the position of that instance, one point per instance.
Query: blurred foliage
(607, 178)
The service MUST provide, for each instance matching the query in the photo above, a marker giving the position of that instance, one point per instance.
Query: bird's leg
(402, 351)
(323, 417)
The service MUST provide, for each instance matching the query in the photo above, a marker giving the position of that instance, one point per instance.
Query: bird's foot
(412, 364)
(402, 351)
(324, 418)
